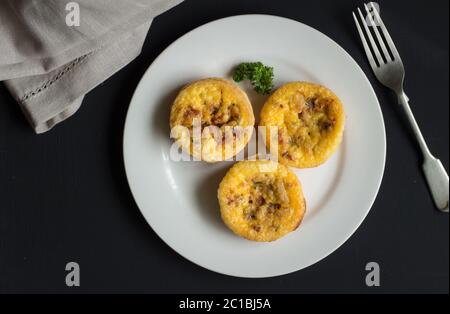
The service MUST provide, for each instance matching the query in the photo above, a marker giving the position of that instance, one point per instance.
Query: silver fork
(390, 71)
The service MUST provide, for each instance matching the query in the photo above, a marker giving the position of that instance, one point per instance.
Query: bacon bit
(232, 199)
(328, 125)
(218, 120)
(280, 138)
(260, 201)
(310, 103)
(191, 112)
(287, 155)
(235, 199)
(250, 217)
(214, 110)
(276, 206)
(321, 104)
(273, 207)
(257, 228)
(235, 112)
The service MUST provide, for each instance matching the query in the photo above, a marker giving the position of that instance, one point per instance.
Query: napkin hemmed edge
(46, 107)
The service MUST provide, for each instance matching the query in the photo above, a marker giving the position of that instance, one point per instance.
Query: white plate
(179, 200)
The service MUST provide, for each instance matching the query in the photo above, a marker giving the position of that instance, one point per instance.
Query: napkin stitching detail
(72, 65)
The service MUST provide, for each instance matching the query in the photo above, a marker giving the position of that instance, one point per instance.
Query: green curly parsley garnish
(258, 74)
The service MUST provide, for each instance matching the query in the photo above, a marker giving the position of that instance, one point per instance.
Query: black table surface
(64, 195)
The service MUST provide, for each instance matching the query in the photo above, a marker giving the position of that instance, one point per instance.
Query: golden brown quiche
(261, 200)
(215, 107)
(310, 120)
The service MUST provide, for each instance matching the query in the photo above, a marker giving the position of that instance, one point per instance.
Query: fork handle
(437, 179)
(435, 173)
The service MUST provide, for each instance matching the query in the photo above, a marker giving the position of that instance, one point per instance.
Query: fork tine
(387, 56)
(371, 40)
(365, 44)
(386, 34)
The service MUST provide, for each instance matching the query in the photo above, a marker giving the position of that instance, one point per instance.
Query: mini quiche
(220, 112)
(310, 122)
(261, 200)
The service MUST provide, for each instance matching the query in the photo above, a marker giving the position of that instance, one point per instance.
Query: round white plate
(178, 199)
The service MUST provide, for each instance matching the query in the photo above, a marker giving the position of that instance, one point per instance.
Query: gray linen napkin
(48, 66)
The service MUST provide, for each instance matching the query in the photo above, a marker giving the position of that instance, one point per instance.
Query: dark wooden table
(64, 195)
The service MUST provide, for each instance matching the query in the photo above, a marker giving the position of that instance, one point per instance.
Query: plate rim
(357, 67)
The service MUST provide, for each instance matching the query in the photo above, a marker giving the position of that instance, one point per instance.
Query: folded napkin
(48, 63)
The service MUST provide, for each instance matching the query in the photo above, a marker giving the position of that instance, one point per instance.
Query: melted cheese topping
(310, 120)
(213, 102)
(261, 200)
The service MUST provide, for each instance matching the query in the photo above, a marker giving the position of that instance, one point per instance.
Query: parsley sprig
(258, 74)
